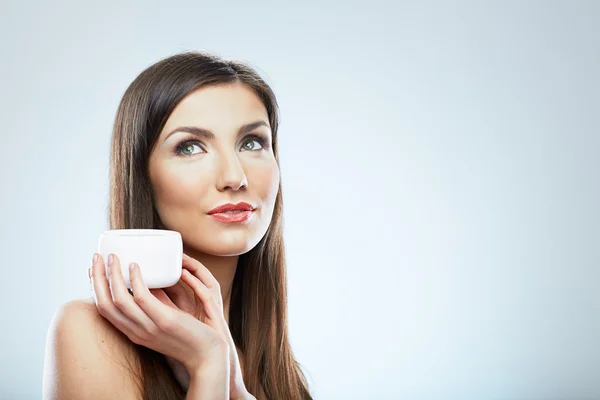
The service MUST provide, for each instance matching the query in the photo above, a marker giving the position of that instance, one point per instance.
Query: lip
(241, 206)
(237, 216)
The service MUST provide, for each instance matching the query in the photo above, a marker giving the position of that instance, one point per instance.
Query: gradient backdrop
(440, 167)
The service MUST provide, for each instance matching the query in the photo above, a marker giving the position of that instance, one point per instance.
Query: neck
(222, 268)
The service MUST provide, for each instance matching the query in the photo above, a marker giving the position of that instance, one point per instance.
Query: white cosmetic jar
(158, 253)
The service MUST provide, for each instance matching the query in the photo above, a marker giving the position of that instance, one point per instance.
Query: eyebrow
(207, 134)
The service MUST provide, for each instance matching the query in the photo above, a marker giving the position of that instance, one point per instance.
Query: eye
(185, 148)
(251, 143)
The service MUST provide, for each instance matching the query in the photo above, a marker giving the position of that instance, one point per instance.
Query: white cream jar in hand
(158, 253)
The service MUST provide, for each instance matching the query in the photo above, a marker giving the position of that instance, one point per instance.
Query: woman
(193, 132)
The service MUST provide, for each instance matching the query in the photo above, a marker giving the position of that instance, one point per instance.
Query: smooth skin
(89, 351)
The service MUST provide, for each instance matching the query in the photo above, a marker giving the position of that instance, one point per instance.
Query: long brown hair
(258, 308)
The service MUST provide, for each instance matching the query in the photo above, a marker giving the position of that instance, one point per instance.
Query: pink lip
(235, 216)
(241, 206)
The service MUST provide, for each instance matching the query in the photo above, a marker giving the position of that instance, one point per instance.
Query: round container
(158, 252)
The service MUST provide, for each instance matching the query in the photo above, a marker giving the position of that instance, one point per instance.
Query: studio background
(439, 164)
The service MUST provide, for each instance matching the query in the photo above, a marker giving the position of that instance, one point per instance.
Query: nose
(232, 175)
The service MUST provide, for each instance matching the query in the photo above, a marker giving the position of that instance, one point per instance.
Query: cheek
(265, 181)
(177, 187)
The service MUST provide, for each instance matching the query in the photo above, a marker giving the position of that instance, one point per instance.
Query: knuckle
(140, 300)
(167, 324)
(103, 307)
(143, 337)
(136, 339)
(220, 342)
(211, 304)
(120, 301)
(152, 331)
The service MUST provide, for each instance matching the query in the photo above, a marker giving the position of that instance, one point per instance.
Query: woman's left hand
(206, 289)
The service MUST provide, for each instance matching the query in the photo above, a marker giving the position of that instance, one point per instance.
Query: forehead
(218, 107)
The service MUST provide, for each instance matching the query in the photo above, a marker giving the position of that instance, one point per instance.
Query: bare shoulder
(87, 357)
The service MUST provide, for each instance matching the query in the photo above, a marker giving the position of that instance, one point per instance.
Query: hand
(149, 318)
(206, 305)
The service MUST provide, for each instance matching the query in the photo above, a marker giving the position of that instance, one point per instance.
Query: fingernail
(110, 259)
(94, 259)
(131, 266)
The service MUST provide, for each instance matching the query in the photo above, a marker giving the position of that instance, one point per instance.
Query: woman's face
(229, 160)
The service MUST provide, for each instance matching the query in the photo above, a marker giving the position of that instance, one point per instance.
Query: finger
(162, 296)
(199, 271)
(104, 301)
(90, 282)
(162, 315)
(179, 295)
(185, 299)
(123, 300)
(210, 303)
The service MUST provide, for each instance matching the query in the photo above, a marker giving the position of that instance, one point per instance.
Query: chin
(227, 245)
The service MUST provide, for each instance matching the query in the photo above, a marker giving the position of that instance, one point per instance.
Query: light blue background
(440, 167)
